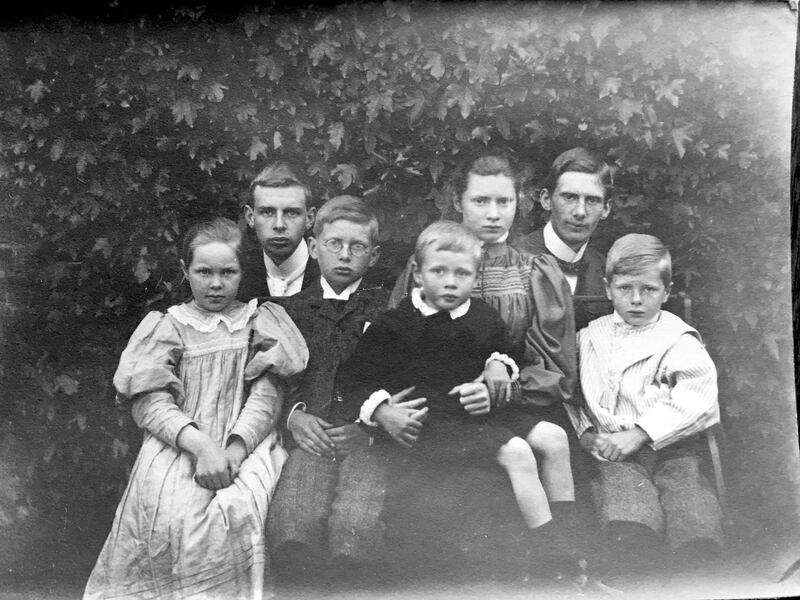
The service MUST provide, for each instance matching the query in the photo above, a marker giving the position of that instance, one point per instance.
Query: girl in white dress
(205, 381)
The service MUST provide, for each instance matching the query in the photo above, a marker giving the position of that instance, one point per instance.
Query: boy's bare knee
(548, 439)
(516, 453)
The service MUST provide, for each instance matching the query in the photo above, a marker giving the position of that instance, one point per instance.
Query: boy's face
(352, 260)
(576, 206)
(446, 278)
(638, 298)
(279, 217)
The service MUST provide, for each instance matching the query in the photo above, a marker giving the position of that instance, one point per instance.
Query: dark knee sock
(553, 552)
(633, 547)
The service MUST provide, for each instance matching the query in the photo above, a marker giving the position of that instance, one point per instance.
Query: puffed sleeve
(403, 285)
(146, 376)
(549, 370)
(277, 346)
(278, 352)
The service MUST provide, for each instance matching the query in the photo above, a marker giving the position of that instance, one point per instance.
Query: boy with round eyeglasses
(324, 525)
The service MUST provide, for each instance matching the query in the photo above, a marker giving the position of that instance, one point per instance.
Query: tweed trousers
(666, 490)
(332, 507)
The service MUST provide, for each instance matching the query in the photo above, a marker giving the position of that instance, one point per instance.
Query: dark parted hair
(279, 174)
(580, 160)
(487, 164)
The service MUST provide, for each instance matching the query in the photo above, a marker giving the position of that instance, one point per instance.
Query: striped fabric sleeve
(580, 420)
(260, 413)
(688, 396)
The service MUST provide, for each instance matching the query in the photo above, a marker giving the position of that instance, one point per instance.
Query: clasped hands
(403, 419)
(616, 446)
(217, 468)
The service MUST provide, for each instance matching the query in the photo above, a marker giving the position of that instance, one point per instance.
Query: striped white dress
(221, 372)
(657, 376)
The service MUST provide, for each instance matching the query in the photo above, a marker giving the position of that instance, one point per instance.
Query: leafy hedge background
(117, 131)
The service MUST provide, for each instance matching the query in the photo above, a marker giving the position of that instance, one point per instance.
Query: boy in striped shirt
(649, 388)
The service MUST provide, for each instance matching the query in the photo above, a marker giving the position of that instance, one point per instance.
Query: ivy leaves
(113, 138)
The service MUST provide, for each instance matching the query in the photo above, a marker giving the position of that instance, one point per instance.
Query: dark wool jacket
(590, 279)
(331, 328)
(254, 279)
(404, 348)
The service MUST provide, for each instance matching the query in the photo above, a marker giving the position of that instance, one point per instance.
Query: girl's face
(488, 205)
(214, 276)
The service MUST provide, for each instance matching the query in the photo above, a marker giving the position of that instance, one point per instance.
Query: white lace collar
(235, 316)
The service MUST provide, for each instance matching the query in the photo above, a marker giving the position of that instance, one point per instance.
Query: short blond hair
(633, 253)
(447, 235)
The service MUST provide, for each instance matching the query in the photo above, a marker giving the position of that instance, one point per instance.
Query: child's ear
(374, 255)
(608, 288)
(415, 273)
(667, 292)
(184, 270)
(312, 248)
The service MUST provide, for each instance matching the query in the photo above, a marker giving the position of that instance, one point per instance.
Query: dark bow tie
(571, 268)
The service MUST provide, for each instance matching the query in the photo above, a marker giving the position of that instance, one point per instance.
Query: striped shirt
(657, 376)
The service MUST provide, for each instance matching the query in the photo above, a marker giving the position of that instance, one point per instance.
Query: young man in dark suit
(278, 212)
(576, 193)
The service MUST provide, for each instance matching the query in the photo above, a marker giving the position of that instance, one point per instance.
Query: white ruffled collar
(235, 316)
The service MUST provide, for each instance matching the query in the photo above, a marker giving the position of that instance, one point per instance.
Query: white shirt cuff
(297, 406)
(507, 361)
(370, 404)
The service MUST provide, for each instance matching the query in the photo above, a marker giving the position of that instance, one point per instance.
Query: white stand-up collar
(328, 292)
(286, 278)
(558, 248)
(426, 310)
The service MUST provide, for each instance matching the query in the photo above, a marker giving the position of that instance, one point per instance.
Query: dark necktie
(338, 305)
(571, 268)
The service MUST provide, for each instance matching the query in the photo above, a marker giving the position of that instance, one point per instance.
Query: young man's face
(279, 217)
(446, 278)
(576, 207)
(488, 205)
(638, 298)
(354, 257)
